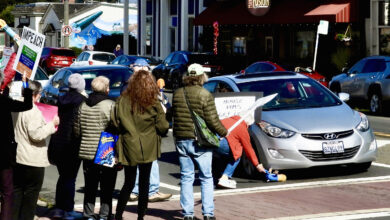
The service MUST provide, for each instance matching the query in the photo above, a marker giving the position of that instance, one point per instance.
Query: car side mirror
(344, 70)
(242, 72)
(73, 59)
(343, 96)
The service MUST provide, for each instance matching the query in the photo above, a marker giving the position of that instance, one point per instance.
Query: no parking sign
(66, 30)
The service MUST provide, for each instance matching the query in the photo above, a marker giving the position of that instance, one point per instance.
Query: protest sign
(234, 103)
(29, 52)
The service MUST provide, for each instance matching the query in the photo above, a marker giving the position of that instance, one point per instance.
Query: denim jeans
(154, 181)
(224, 150)
(190, 152)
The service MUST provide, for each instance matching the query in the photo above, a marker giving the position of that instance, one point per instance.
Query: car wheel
(335, 88)
(375, 103)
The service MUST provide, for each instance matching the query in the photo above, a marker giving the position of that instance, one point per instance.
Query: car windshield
(103, 57)
(67, 53)
(292, 93)
(116, 76)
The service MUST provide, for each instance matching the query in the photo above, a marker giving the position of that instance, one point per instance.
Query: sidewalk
(292, 203)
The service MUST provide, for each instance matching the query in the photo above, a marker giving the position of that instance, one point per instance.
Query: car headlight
(274, 131)
(364, 125)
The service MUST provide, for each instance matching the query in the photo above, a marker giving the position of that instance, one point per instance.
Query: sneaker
(227, 184)
(207, 217)
(159, 197)
(73, 215)
(188, 217)
(133, 197)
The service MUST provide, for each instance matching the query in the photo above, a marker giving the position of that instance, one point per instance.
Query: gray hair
(100, 84)
(35, 86)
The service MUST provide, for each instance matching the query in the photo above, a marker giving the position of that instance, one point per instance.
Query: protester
(31, 134)
(202, 102)
(231, 148)
(154, 194)
(93, 117)
(8, 146)
(141, 121)
(64, 148)
(118, 51)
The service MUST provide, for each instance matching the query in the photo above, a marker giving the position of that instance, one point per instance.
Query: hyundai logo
(330, 136)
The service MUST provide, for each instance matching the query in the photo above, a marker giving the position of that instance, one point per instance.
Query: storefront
(380, 28)
(285, 31)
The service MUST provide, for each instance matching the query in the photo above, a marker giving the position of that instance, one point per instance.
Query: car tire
(335, 88)
(247, 169)
(375, 103)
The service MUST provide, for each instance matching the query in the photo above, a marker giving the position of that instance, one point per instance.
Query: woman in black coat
(8, 145)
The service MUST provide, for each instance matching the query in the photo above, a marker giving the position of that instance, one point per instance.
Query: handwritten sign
(29, 52)
(234, 103)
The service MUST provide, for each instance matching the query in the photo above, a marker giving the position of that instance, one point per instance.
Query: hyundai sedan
(306, 125)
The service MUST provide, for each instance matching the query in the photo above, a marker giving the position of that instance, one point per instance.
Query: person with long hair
(140, 122)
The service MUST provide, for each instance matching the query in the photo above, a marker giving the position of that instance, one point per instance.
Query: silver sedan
(306, 125)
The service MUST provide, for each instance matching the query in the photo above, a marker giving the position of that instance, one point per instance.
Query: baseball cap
(141, 62)
(195, 70)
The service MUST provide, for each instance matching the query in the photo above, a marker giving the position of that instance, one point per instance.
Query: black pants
(66, 184)
(93, 175)
(27, 184)
(130, 174)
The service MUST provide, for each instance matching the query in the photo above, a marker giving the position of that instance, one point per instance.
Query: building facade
(168, 25)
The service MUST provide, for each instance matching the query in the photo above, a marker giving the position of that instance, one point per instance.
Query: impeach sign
(233, 103)
(29, 52)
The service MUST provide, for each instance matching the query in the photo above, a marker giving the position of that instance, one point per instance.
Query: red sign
(66, 30)
(258, 7)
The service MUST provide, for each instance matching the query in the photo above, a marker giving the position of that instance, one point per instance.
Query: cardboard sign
(29, 52)
(233, 103)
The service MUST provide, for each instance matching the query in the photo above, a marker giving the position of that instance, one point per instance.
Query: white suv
(88, 58)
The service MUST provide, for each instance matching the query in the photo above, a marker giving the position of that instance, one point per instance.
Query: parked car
(306, 125)
(176, 63)
(53, 58)
(127, 60)
(367, 82)
(58, 84)
(89, 58)
(308, 71)
(15, 91)
(262, 66)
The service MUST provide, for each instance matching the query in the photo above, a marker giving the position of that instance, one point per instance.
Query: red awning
(281, 12)
(340, 12)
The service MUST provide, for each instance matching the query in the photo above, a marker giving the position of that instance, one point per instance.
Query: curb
(382, 134)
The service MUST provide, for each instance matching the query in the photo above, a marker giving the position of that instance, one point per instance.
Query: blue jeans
(190, 152)
(225, 151)
(154, 180)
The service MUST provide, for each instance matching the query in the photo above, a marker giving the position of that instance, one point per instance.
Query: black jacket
(7, 136)
(62, 143)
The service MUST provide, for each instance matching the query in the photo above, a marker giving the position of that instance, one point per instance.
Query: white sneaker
(228, 184)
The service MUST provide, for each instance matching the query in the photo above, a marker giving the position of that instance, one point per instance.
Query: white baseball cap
(195, 70)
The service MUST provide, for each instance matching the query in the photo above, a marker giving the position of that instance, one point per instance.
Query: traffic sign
(66, 30)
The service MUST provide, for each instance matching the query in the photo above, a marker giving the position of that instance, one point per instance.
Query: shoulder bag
(203, 135)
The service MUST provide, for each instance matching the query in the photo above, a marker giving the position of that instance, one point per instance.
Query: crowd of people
(138, 117)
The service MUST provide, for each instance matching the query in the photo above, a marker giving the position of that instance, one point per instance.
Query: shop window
(384, 41)
(173, 7)
(384, 13)
(149, 7)
(239, 45)
(172, 36)
(148, 39)
(304, 44)
(191, 34)
(269, 46)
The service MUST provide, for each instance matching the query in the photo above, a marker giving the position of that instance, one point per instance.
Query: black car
(58, 84)
(176, 63)
(127, 60)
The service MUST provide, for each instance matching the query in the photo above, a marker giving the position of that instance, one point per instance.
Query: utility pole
(126, 28)
(66, 21)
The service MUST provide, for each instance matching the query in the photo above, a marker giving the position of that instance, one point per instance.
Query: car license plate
(207, 69)
(65, 62)
(333, 147)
